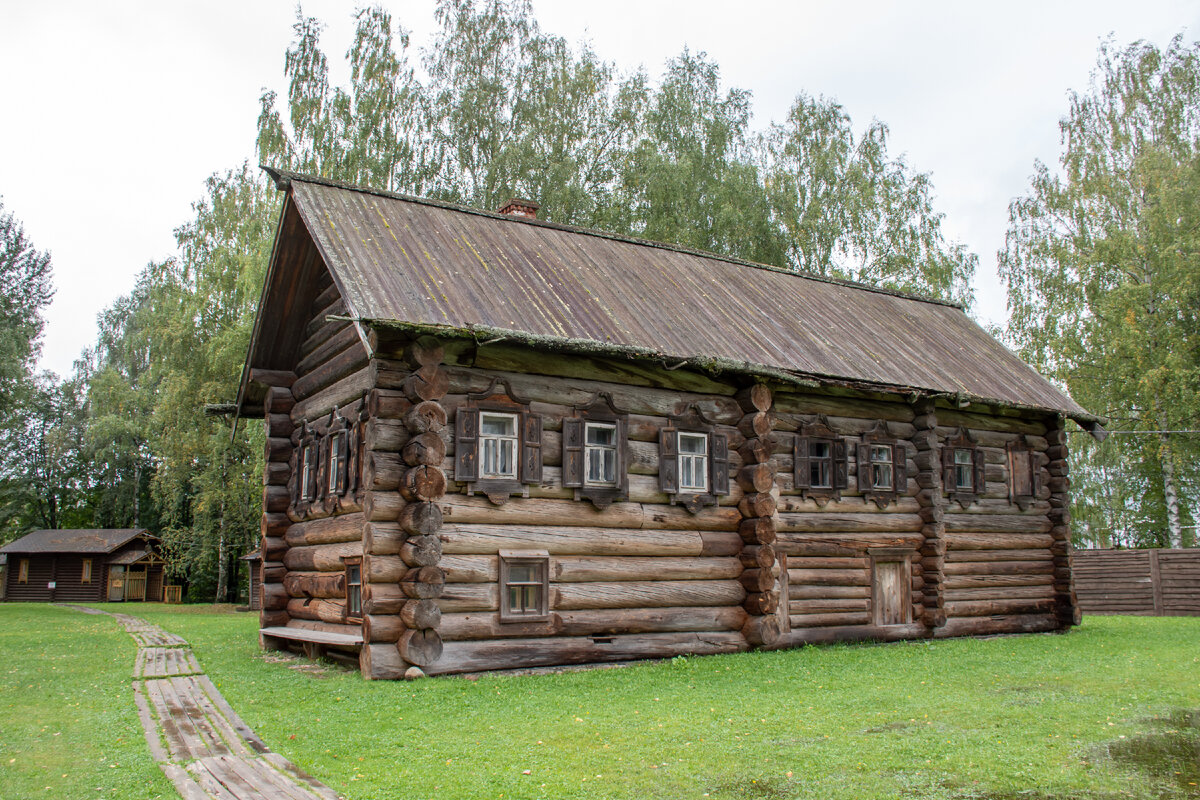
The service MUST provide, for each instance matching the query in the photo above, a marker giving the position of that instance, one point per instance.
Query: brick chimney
(517, 207)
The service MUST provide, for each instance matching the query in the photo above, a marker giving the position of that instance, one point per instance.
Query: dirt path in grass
(199, 742)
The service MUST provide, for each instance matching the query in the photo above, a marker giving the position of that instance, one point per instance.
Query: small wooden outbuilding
(496, 442)
(84, 566)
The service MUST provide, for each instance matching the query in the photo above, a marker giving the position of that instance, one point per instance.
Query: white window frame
(589, 448)
(889, 472)
(513, 442)
(698, 461)
(968, 466)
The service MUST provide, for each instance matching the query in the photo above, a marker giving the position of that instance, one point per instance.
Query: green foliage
(25, 290)
(953, 719)
(1103, 270)
(509, 110)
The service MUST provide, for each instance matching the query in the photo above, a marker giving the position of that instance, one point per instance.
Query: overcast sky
(115, 112)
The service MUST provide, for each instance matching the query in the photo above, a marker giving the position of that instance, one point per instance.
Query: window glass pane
(605, 435)
(499, 458)
(693, 443)
(819, 474)
(819, 449)
(522, 573)
(601, 466)
(353, 573)
(963, 478)
(881, 454)
(498, 425)
(882, 476)
(962, 457)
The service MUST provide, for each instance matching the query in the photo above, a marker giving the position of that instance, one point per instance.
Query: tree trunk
(1170, 488)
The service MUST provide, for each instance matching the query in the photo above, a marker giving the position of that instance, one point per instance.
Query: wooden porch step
(316, 637)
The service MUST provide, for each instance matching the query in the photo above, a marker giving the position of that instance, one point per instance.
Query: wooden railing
(1146, 582)
(135, 586)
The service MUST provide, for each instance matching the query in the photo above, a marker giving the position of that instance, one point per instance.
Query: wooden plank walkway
(198, 740)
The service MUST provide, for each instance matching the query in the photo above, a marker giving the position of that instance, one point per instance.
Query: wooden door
(889, 594)
(116, 583)
(135, 585)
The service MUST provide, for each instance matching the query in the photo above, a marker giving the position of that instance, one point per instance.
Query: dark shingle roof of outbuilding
(405, 260)
(100, 540)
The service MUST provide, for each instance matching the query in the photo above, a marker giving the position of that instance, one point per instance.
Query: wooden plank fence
(1146, 582)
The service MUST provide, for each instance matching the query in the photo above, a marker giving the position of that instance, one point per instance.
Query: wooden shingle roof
(99, 540)
(446, 269)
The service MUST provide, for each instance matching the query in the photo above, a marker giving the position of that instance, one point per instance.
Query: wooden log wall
(1003, 572)
(275, 523)
(756, 478)
(303, 569)
(1065, 603)
(640, 579)
(422, 484)
(1157, 582)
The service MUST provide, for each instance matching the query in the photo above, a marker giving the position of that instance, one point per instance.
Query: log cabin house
(83, 566)
(495, 442)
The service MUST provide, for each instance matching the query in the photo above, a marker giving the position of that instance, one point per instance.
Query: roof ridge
(283, 178)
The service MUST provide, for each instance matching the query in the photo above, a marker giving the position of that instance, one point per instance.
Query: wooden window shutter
(719, 463)
(948, 482)
(354, 457)
(841, 470)
(466, 445)
(802, 470)
(531, 448)
(900, 469)
(865, 484)
(572, 458)
(1035, 476)
(668, 461)
(980, 470)
(623, 457)
(343, 441)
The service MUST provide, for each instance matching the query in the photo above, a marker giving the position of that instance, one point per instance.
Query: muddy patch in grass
(1169, 753)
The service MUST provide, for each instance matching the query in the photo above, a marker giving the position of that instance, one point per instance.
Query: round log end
(760, 631)
(422, 647)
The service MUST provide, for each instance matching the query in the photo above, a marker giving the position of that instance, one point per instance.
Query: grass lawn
(1106, 711)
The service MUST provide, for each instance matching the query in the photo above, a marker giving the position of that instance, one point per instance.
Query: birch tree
(1102, 258)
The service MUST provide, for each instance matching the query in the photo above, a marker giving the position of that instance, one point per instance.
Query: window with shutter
(963, 468)
(819, 461)
(595, 452)
(353, 577)
(497, 444)
(882, 466)
(693, 461)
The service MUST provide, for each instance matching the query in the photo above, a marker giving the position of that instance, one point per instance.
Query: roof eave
(716, 366)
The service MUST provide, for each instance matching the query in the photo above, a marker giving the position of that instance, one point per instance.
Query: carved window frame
(599, 410)
(815, 432)
(959, 442)
(540, 561)
(1023, 459)
(692, 421)
(499, 398)
(879, 437)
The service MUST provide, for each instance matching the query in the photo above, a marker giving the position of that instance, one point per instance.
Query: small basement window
(23, 571)
(353, 587)
(600, 454)
(524, 585)
(497, 445)
(86, 573)
(693, 462)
